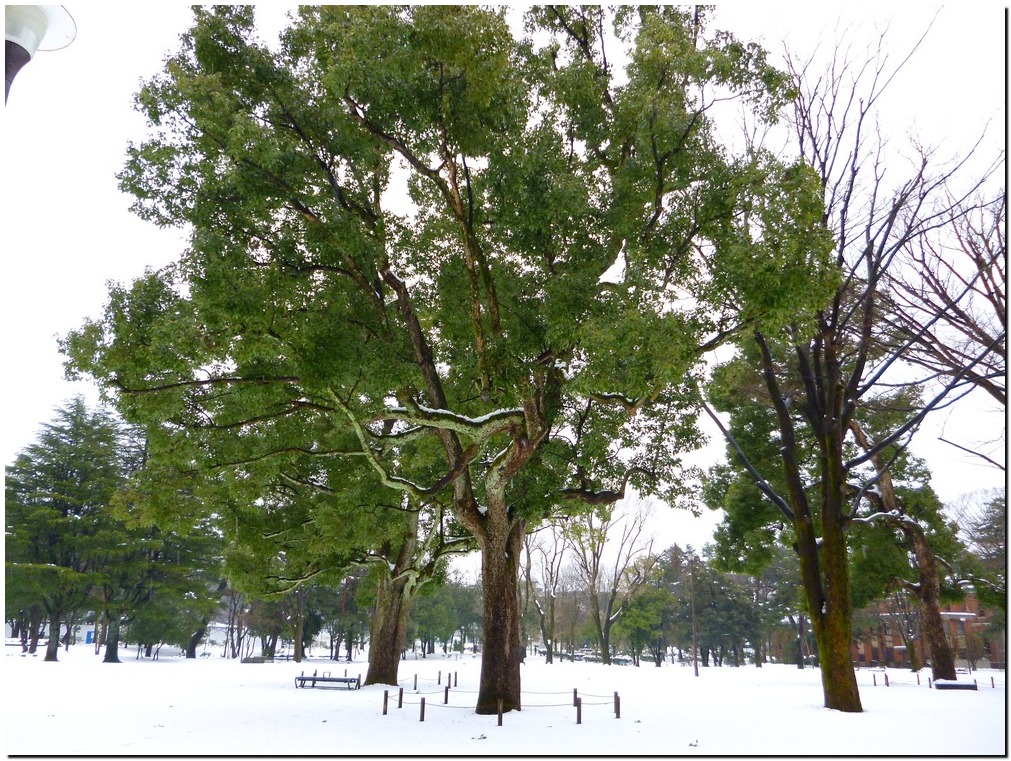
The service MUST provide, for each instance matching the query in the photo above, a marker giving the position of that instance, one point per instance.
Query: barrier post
(874, 678)
(992, 684)
(917, 677)
(579, 710)
(438, 679)
(500, 712)
(445, 700)
(886, 681)
(455, 681)
(400, 698)
(422, 709)
(575, 697)
(617, 705)
(930, 682)
(386, 700)
(415, 681)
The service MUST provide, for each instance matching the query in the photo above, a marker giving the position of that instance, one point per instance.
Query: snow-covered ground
(210, 706)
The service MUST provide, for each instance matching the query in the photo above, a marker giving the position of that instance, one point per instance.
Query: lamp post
(30, 28)
(691, 592)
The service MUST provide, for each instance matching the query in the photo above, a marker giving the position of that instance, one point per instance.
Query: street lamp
(30, 28)
(691, 587)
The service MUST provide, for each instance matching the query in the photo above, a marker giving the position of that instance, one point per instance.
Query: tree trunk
(605, 641)
(800, 640)
(112, 640)
(388, 630)
(194, 640)
(298, 625)
(547, 622)
(53, 645)
(500, 660)
(830, 610)
(928, 594)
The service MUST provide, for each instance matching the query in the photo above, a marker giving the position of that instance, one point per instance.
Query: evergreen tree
(57, 521)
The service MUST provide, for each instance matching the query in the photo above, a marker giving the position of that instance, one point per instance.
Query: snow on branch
(475, 427)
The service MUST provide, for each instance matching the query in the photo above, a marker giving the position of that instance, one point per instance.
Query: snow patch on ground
(210, 706)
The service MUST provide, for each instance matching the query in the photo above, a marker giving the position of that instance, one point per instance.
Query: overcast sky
(67, 230)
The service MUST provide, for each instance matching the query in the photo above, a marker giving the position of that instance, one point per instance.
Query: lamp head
(38, 27)
(30, 28)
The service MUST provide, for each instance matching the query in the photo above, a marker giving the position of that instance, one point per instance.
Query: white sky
(67, 230)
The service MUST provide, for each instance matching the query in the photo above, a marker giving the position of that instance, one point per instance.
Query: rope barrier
(577, 702)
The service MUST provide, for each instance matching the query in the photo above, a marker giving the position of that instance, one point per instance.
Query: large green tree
(400, 222)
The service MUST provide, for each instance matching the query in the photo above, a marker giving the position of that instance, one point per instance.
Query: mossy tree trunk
(501, 649)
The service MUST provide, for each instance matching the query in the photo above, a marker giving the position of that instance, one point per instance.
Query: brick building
(877, 640)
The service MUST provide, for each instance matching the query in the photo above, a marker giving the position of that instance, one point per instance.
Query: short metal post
(422, 709)
(930, 682)
(386, 700)
(579, 710)
(455, 679)
(500, 712)
(874, 678)
(438, 679)
(886, 681)
(917, 677)
(400, 698)
(617, 705)
(415, 681)
(575, 697)
(445, 700)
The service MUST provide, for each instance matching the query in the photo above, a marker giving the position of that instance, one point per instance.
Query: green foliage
(443, 608)
(400, 218)
(56, 514)
(645, 621)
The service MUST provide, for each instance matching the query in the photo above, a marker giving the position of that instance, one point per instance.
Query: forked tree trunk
(501, 656)
(389, 627)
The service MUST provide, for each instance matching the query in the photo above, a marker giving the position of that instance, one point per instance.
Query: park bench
(945, 684)
(352, 682)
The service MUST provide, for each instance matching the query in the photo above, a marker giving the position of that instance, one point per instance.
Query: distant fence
(882, 678)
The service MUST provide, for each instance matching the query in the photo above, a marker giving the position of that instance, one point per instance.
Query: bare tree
(819, 376)
(545, 554)
(948, 300)
(982, 519)
(609, 564)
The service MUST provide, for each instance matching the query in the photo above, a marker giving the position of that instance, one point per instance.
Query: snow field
(210, 706)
